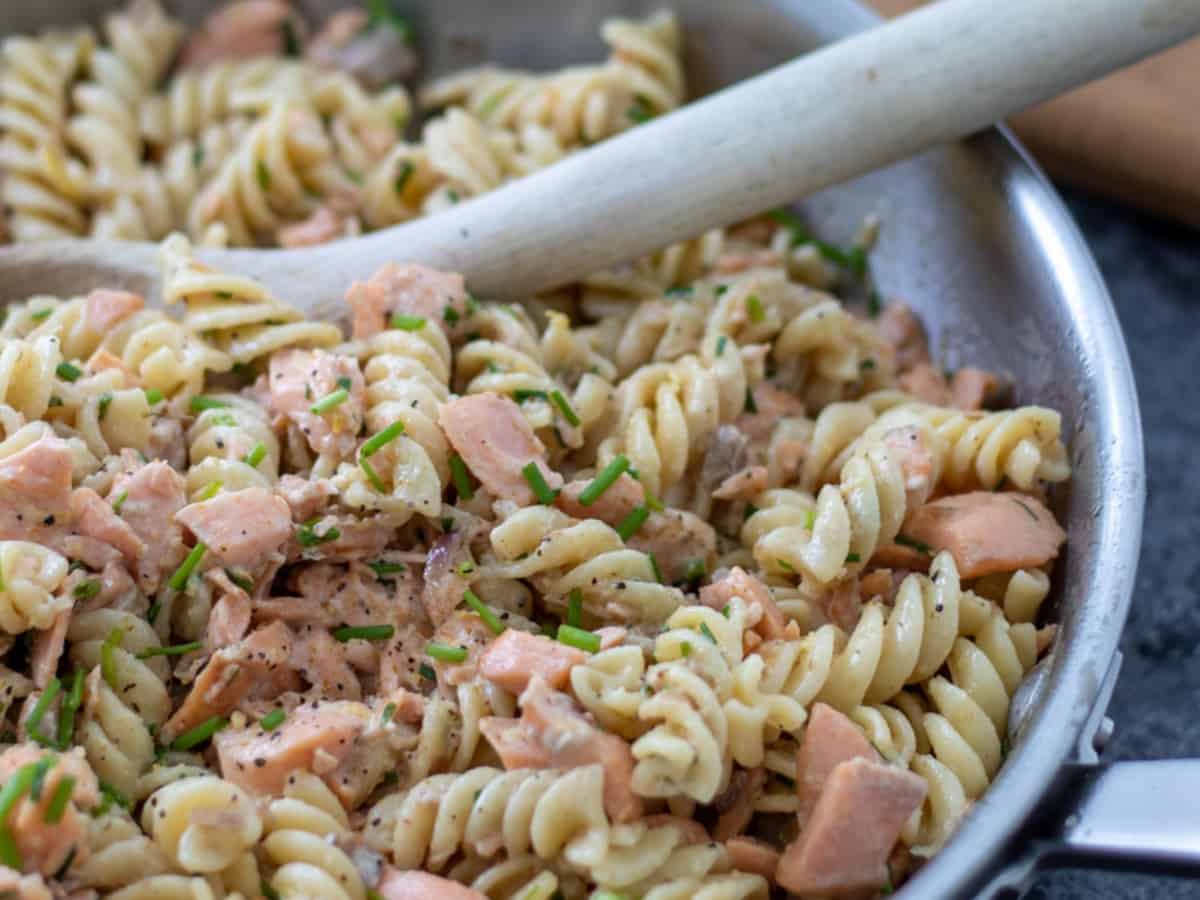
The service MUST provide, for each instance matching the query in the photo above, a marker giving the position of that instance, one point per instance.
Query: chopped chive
(654, 503)
(120, 501)
(792, 222)
(102, 405)
(70, 705)
(329, 401)
(575, 608)
(452, 196)
(257, 455)
(785, 565)
(523, 394)
(725, 610)
(754, 308)
(450, 314)
(68, 371)
(721, 342)
(577, 637)
(388, 712)
(272, 720)
(465, 568)
(201, 733)
(223, 295)
(373, 894)
(55, 401)
(291, 42)
(59, 800)
(537, 482)
(267, 891)
(42, 314)
(153, 611)
(364, 633)
(179, 580)
(224, 419)
(376, 443)
(426, 671)
(749, 405)
(446, 653)
(490, 619)
(564, 407)
(15, 788)
(201, 402)
(658, 576)
(853, 558)
(406, 322)
(694, 571)
(108, 662)
(604, 480)
(461, 478)
(720, 289)
(386, 568)
(640, 110)
(372, 475)
(631, 523)
(874, 304)
(114, 795)
(173, 650)
(682, 291)
(707, 632)
(308, 537)
(42, 707)
(920, 546)
(86, 589)
(472, 305)
(40, 768)
(245, 582)
(210, 490)
(263, 174)
(405, 173)
(810, 518)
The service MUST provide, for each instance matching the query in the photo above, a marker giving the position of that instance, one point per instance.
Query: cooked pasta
(606, 592)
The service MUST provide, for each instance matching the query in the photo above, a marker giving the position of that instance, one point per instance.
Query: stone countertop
(1153, 272)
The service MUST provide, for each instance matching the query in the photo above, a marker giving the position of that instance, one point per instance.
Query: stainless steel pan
(980, 244)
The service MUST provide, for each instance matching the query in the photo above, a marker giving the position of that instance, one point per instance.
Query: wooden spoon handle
(929, 77)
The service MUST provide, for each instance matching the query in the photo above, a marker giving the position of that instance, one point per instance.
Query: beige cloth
(1134, 136)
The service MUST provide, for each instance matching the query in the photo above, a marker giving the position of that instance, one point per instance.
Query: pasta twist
(27, 374)
(166, 887)
(41, 191)
(234, 312)
(114, 732)
(202, 824)
(119, 853)
(298, 831)
(221, 439)
(609, 686)
(485, 810)
(30, 578)
(449, 735)
(1020, 594)
(648, 53)
(560, 554)
(407, 374)
(522, 878)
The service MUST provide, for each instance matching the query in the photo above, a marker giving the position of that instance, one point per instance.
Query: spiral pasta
(119, 853)
(202, 824)
(30, 576)
(221, 440)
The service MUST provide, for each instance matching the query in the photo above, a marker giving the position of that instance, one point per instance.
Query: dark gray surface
(1153, 272)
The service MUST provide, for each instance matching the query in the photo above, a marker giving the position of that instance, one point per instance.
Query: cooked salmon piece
(971, 388)
(397, 885)
(743, 485)
(45, 847)
(677, 539)
(357, 539)
(845, 846)
(376, 57)
(440, 298)
(230, 617)
(260, 761)
(47, 649)
(553, 733)
(829, 740)
(104, 309)
(752, 855)
(771, 405)
(299, 379)
(153, 493)
(401, 661)
(727, 454)
(927, 383)
(736, 803)
(731, 263)
(241, 528)
(617, 502)
(35, 488)
(842, 603)
(323, 226)
(496, 442)
(611, 636)
(516, 656)
(305, 496)
(901, 328)
(261, 661)
(323, 662)
(95, 518)
(442, 586)
(462, 629)
(737, 582)
(988, 532)
(102, 360)
(239, 30)
(918, 464)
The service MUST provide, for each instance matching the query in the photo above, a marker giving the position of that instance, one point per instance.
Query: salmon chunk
(35, 486)
(323, 226)
(553, 733)
(844, 848)
(617, 502)
(95, 518)
(239, 30)
(46, 847)
(105, 308)
(496, 442)
(151, 495)
(918, 465)
(770, 404)
(300, 379)
(261, 761)
(440, 298)
(397, 885)
(971, 388)
(829, 740)
(242, 528)
(902, 329)
(740, 583)
(988, 532)
(516, 656)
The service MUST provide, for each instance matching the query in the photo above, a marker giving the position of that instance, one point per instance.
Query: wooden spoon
(924, 79)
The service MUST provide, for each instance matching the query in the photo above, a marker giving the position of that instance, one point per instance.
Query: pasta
(551, 599)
